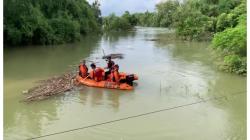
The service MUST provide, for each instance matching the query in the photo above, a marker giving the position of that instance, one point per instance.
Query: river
(197, 101)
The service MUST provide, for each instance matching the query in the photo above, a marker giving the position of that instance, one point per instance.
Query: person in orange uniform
(115, 74)
(83, 69)
(96, 73)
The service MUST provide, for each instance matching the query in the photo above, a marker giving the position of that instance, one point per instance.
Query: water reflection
(233, 89)
(114, 98)
(48, 60)
(29, 119)
(97, 97)
(114, 37)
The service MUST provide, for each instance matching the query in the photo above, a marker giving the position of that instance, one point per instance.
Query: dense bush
(166, 13)
(148, 19)
(65, 29)
(230, 19)
(192, 25)
(164, 17)
(49, 21)
(232, 44)
(115, 23)
(232, 40)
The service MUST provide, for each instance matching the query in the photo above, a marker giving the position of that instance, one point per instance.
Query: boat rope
(139, 115)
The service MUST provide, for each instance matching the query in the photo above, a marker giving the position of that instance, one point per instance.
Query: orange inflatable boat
(128, 85)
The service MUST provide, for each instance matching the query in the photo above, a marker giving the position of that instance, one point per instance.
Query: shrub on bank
(49, 22)
(232, 45)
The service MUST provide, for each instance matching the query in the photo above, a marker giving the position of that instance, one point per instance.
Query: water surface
(171, 73)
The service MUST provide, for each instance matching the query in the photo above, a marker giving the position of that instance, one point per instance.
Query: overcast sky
(119, 6)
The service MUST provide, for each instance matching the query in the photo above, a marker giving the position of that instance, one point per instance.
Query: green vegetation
(115, 23)
(222, 21)
(58, 21)
(147, 19)
(193, 19)
(49, 21)
(231, 44)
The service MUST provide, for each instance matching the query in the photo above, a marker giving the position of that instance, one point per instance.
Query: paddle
(86, 77)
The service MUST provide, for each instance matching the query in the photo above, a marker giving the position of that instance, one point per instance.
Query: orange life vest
(83, 70)
(115, 76)
(97, 74)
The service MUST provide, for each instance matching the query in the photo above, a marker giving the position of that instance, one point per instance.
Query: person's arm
(107, 66)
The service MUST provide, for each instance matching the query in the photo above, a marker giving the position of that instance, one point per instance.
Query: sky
(119, 6)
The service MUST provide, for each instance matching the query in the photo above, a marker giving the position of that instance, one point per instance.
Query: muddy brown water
(171, 73)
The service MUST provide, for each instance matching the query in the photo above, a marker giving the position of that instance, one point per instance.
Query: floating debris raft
(50, 87)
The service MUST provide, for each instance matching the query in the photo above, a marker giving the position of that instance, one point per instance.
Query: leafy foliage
(231, 43)
(115, 23)
(232, 40)
(49, 21)
(147, 19)
(191, 25)
(166, 12)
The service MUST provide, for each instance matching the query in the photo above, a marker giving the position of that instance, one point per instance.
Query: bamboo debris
(50, 87)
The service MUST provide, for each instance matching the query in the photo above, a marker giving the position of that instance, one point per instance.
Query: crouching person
(96, 73)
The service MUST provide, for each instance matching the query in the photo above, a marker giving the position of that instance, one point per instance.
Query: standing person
(96, 73)
(83, 69)
(110, 65)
